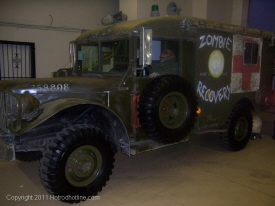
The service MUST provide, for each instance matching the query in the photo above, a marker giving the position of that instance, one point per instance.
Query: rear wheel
(239, 127)
(77, 164)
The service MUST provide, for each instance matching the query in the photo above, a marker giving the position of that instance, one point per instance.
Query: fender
(48, 110)
(119, 135)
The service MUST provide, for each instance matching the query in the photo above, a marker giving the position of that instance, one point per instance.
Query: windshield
(104, 57)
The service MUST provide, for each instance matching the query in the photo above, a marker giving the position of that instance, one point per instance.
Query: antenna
(173, 9)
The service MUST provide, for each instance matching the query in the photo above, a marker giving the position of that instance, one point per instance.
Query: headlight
(29, 106)
(16, 107)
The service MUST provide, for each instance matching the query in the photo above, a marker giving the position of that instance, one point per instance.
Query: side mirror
(72, 50)
(145, 47)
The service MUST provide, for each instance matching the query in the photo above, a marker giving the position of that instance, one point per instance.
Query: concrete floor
(195, 173)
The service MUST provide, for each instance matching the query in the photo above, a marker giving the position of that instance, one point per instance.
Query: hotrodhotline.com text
(18, 198)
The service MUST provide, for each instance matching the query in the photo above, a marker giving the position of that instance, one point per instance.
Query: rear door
(246, 65)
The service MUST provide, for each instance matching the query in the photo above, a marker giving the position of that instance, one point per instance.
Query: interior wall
(245, 12)
(237, 12)
(228, 11)
(144, 7)
(218, 10)
(199, 8)
(49, 22)
(52, 24)
(129, 7)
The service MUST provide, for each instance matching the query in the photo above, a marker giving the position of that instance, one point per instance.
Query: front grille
(7, 102)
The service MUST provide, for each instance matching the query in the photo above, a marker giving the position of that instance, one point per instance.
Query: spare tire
(168, 108)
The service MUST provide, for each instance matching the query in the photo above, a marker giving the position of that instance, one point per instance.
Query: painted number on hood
(62, 87)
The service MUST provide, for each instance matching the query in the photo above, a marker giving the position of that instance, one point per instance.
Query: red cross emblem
(246, 70)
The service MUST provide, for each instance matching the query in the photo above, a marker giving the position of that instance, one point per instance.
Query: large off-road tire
(77, 163)
(239, 126)
(168, 108)
(28, 156)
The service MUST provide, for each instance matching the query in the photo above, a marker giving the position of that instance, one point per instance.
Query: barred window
(17, 60)
(251, 53)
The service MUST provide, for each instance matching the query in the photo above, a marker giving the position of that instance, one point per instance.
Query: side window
(107, 57)
(116, 56)
(158, 46)
(165, 57)
(251, 53)
(87, 57)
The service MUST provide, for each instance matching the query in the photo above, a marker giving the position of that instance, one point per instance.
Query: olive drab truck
(106, 103)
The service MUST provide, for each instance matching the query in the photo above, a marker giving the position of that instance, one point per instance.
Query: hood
(46, 89)
(44, 85)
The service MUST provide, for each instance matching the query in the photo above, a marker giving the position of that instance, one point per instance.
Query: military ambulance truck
(106, 103)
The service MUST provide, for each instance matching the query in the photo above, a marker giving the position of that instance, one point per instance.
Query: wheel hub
(83, 165)
(86, 167)
(173, 110)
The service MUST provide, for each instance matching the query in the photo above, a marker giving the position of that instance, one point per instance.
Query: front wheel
(77, 164)
(239, 127)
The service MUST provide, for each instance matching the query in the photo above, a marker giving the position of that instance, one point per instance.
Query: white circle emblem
(216, 63)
